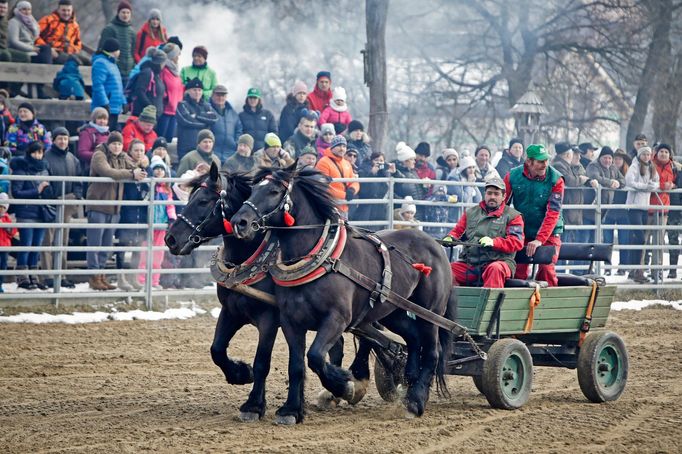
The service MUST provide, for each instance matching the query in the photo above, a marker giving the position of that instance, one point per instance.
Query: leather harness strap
(253, 270)
(532, 303)
(585, 327)
(395, 299)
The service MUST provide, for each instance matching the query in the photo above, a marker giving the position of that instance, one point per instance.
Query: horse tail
(445, 339)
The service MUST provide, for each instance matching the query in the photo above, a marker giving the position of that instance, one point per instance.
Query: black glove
(350, 194)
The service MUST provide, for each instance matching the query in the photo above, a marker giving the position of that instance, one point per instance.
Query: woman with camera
(374, 167)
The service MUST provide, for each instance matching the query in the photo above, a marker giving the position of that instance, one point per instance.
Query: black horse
(214, 198)
(332, 303)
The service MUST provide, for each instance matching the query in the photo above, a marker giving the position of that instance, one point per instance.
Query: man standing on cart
(537, 191)
(494, 233)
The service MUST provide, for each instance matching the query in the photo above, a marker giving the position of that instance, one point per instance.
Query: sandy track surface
(151, 386)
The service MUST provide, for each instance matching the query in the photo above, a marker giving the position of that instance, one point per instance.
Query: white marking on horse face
(263, 183)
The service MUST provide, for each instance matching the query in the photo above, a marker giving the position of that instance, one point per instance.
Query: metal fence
(657, 246)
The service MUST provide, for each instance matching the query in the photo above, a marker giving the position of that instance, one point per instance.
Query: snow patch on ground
(638, 305)
(97, 317)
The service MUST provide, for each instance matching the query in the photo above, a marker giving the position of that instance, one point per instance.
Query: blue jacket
(4, 170)
(107, 87)
(68, 81)
(227, 130)
(25, 165)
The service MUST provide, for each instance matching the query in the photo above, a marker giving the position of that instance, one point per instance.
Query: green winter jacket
(531, 197)
(206, 75)
(125, 35)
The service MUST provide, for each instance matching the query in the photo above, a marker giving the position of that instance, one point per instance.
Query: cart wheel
(507, 374)
(603, 367)
(387, 381)
(478, 382)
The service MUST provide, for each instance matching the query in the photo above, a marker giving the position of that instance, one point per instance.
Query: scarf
(101, 129)
(172, 67)
(35, 165)
(28, 21)
(26, 125)
(336, 108)
(204, 66)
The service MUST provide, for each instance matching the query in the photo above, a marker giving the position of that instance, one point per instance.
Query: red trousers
(494, 274)
(545, 272)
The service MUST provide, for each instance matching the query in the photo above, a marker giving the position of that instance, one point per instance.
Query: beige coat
(105, 164)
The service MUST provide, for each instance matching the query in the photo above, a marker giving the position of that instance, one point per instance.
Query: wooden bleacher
(46, 109)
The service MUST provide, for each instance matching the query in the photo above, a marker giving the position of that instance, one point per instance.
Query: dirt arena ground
(151, 386)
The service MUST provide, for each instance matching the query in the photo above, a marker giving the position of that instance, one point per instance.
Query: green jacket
(194, 157)
(532, 198)
(125, 35)
(504, 225)
(206, 75)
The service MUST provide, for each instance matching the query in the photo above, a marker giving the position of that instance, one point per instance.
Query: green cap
(537, 152)
(253, 93)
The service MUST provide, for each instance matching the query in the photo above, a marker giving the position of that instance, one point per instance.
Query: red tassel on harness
(288, 219)
(227, 226)
(426, 270)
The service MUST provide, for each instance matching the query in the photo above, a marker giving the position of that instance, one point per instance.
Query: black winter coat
(289, 117)
(64, 163)
(192, 117)
(506, 163)
(258, 123)
(149, 89)
(25, 165)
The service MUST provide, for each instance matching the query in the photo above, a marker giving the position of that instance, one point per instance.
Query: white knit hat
(4, 200)
(466, 162)
(339, 93)
(403, 152)
(447, 152)
(408, 207)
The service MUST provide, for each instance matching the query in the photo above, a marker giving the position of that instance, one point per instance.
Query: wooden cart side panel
(561, 309)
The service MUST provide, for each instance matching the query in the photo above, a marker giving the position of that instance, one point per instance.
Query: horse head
(213, 200)
(282, 198)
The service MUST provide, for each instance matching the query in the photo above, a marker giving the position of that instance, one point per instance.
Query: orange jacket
(62, 36)
(146, 38)
(336, 167)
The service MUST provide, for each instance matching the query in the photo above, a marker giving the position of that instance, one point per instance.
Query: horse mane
(313, 184)
(240, 186)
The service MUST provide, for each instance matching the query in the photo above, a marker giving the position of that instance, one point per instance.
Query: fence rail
(657, 247)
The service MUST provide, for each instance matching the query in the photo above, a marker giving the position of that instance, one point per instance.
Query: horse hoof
(409, 415)
(349, 394)
(288, 420)
(360, 389)
(247, 416)
(327, 401)
(401, 391)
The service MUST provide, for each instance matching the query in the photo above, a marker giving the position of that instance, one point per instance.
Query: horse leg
(325, 399)
(360, 370)
(418, 391)
(334, 378)
(292, 410)
(236, 372)
(254, 407)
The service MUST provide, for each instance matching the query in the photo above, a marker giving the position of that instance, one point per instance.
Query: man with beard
(493, 232)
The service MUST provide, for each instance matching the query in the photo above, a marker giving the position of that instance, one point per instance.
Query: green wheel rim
(513, 377)
(608, 366)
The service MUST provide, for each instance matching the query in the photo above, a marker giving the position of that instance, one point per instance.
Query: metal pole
(391, 196)
(59, 238)
(150, 244)
(597, 224)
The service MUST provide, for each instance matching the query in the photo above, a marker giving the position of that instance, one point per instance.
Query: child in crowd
(5, 156)
(337, 111)
(407, 214)
(163, 214)
(6, 234)
(324, 140)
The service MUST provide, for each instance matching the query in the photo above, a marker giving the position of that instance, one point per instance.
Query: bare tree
(376, 12)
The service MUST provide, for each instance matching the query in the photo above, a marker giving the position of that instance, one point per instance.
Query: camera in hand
(381, 166)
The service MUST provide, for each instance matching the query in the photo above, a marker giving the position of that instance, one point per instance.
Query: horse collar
(251, 271)
(313, 265)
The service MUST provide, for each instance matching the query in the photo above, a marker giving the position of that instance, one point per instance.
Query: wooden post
(376, 12)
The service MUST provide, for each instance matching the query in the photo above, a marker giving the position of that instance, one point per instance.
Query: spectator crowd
(149, 117)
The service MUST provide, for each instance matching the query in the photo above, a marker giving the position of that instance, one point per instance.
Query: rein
(195, 236)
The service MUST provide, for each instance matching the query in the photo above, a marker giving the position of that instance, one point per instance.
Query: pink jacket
(329, 115)
(174, 91)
